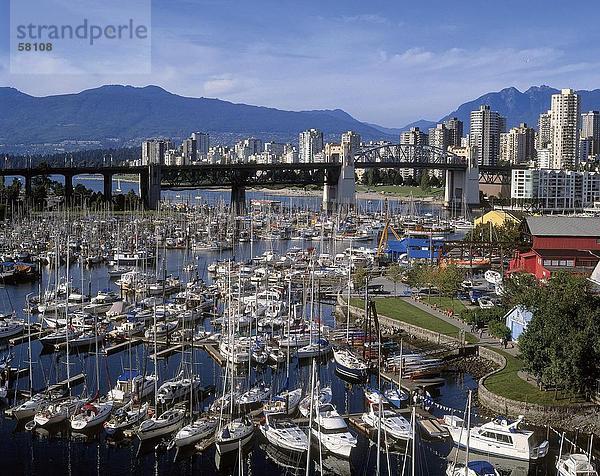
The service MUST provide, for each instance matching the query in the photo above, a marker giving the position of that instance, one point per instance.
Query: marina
(249, 321)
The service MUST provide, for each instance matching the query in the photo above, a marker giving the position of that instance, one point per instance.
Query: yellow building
(499, 217)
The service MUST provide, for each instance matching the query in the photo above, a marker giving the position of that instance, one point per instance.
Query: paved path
(402, 290)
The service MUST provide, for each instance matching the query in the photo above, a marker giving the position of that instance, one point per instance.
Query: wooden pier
(72, 382)
(23, 337)
(113, 349)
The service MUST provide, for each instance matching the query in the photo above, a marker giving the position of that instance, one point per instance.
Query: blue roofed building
(415, 247)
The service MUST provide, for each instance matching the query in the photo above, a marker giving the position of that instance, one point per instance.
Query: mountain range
(115, 115)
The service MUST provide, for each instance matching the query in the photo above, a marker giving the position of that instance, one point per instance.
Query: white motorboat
(282, 432)
(199, 429)
(162, 329)
(396, 397)
(91, 415)
(29, 407)
(498, 437)
(161, 425)
(493, 277)
(331, 429)
(235, 434)
(575, 464)
(126, 417)
(393, 424)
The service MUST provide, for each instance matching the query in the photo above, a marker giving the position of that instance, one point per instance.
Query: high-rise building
(189, 150)
(353, 139)
(154, 150)
(455, 128)
(486, 127)
(544, 135)
(414, 136)
(310, 145)
(544, 158)
(274, 148)
(590, 128)
(441, 137)
(517, 145)
(202, 145)
(564, 124)
(246, 148)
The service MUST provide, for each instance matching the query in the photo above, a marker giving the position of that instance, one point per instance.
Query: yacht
(167, 422)
(57, 411)
(498, 437)
(199, 429)
(576, 464)
(331, 429)
(10, 327)
(393, 424)
(284, 402)
(235, 434)
(282, 432)
(324, 396)
(251, 402)
(177, 388)
(314, 349)
(348, 365)
(132, 385)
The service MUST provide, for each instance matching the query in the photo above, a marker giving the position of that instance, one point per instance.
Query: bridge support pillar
(238, 199)
(462, 187)
(108, 187)
(68, 189)
(342, 193)
(150, 186)
(28, 179)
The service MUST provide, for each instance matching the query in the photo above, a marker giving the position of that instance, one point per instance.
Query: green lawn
(401, 310)
(508, 384)
(402, 190)
(445, 303)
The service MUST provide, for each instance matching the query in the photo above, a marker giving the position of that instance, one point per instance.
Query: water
(24, 453)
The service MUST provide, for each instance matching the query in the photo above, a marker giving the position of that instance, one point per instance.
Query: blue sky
(388, 62)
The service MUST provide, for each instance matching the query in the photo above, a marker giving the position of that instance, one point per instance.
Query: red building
(559, 243)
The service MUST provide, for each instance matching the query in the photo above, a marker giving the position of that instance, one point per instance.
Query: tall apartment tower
(353, 139)
(455, 126)
(517, 146)
(590, 128)
(202, 144)
(486, 127)
(441, 137)
(416, 137)
(154, 150)
(310, 144)
(564, 125)
(544, 136)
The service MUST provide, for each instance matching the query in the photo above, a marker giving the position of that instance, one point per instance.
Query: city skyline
(375, 62)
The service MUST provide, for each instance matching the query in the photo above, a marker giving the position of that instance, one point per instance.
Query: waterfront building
(499, 217)
(544, 158)
(558, 243)
(310, 144)
(556, 190)
(564, 125)
(486, 127)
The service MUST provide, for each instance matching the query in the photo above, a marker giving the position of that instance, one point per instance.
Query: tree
(561, 345)
(395, 273)
(499, 330)
(358, 278)
(448, 280)
(425, 183)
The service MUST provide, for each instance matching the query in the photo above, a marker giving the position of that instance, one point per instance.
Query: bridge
(337, 174)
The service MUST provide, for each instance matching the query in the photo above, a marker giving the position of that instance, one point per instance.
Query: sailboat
(199, 429)
(126, 417)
